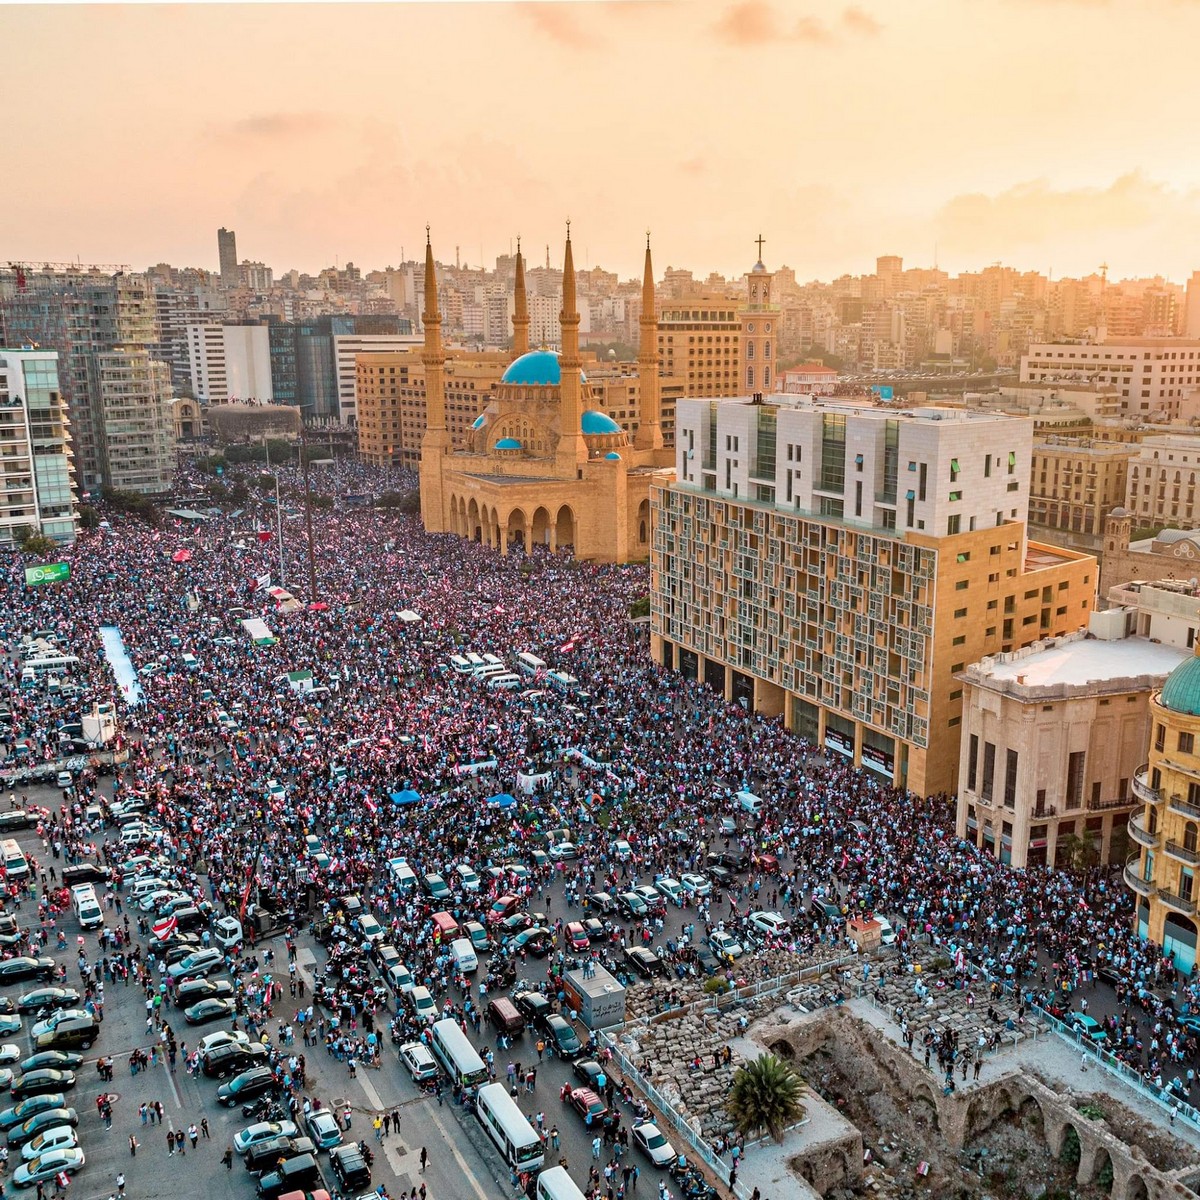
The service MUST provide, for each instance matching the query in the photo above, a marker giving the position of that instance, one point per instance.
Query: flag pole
(278, 511)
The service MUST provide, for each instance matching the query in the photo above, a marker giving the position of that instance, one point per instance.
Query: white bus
(506, 1125)
(475, 660)
(52, 664)
(556, 1184)
(458, 1057)
(562, 681)
(530, 664)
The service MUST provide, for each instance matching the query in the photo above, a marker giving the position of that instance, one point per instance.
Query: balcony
(1140, 834)
(1143, 887)
(1183, 904)
(1175, 850)
(1179, 805)
(1142, 789)
(1114, 802)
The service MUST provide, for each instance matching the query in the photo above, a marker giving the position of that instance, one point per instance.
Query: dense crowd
(390, 715)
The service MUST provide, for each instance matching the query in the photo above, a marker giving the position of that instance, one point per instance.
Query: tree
(765, 1095)
(37, 544)
(89, 518)
(1078, 852)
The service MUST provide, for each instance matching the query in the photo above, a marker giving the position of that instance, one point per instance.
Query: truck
(599, 999)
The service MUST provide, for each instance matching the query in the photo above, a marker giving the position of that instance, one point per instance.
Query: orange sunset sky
(1050, 134)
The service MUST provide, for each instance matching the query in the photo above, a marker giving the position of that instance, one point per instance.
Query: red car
(504, 907)
(577, 937)
(585, 1101)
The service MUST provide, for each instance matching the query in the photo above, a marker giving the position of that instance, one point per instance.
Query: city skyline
(967, 134)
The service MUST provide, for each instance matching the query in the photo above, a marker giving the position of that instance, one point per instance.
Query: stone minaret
(435, 445)
(520, 310)
(649, 433)
(572, 449)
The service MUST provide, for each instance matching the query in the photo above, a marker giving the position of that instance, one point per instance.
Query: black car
(268, 1155)
(232, 1057)
(12, 970)
(594, 928)
(58, 1060)
(247, 1085)
(195, 990)
(532, 1005)
(350, 1167)
(47, 997)
(299, 1174)
(213, 1008)
(645, 962)
(601, 902)
(730, 861)
(83, 873)
(40, 1081)
(16, 818)
(561, 1035)
(588, 1071)
(721, 876)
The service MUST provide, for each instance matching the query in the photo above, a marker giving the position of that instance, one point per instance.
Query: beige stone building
(1173, 554)
(699, 339)
(839, 565)
(542, 466)
(1076, 483)
(1052, 736)
(1162, 481)
(1162, 874)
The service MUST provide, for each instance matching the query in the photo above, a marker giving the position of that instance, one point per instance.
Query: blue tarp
(408, 796)
(502, 800)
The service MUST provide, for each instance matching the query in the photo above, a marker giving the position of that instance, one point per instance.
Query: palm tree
(765, 1095)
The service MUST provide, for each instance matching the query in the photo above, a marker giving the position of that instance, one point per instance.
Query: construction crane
(23, 269)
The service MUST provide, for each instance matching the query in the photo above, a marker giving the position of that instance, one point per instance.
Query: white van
(750, 803)
(86, 907)
(530, 664)
(464, 957)
(404, 876)
(459, 665)
(504, 682)
(15, 864)
(148, 886)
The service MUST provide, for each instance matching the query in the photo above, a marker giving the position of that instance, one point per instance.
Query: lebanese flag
(264, 535)
(260, 581)
(163, 929)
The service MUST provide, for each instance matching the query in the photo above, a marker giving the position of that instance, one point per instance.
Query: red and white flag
(260, 581)
(163, 929)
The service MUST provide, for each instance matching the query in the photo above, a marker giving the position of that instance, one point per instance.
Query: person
(120, 1183)
(227, 1158)
(133, 1145)
(424, 1157)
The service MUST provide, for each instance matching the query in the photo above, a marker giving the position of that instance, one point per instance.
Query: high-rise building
(699, 339)
(230, 362)
(1191, 317)
(889, 268)
(838, 565)
(89, 316)
(37, 481)
(227, 256)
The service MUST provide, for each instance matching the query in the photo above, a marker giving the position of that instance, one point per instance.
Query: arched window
(750, 377)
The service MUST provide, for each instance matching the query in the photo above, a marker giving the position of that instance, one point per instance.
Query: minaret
(649, 434)
(436, 442)
(572, 449)
(520, 310)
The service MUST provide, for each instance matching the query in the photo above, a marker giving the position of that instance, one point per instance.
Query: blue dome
(598, 422)
(479, 420)
(508, 444)
(1181, 692)
(538, 368)
(613, 456)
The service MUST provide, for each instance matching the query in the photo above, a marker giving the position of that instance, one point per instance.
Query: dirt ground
(911, 1160)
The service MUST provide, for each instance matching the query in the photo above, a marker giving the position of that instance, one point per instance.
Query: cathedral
(543, 467)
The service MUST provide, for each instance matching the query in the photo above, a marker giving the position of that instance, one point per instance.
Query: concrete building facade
(1052, 736)
(1162, 481)
(1075, 483)
(37, 475)
(838, 565)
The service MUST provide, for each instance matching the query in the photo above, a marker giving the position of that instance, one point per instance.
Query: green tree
(89, 518)
(640, 608)
(37, 544)
(1078, 853)
(765, 1095)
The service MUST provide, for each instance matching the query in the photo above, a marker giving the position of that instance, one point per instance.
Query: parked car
(323, 1128)
(41, 1081)
(653, 1145)
(54, 1138)
(773, 924)
(262, 1131)
(192, 991)
(49, 998)
(46, 1118)
(65, 1161)
(695, 885)
(14, 1116)
(645, 962)
(59, 1060)
(214, 1008)
(589, 1073)
(725, 945)
(255, 1081)
(564, 1038)
(268, 1155)
(202, 962)
(420, 1063)
(13, 970)
(587, 1104)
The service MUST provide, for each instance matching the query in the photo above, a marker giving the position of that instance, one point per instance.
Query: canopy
(407, 796)
(408, 616)
(181, 556)
(502, 800)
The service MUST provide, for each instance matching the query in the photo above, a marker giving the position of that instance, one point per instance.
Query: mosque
(544, 467)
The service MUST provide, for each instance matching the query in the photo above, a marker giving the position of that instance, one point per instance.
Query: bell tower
(759, 325)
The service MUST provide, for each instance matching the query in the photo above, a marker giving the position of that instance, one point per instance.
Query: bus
(530, 664)
(458, 1057)
(52, 664)
(562, 681)
(556, 1184)
(506, 1125)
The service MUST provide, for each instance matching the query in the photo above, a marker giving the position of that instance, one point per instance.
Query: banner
(262, 581)
(58, 572)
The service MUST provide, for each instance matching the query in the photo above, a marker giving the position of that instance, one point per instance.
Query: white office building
(230, 362)
(346, 349)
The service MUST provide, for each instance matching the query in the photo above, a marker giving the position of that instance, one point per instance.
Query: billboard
(58, 572)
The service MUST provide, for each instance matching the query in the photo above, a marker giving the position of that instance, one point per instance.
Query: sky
(1051, 135)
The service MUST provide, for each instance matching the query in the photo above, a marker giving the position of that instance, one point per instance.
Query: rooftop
(860, 407)
(1079, 661)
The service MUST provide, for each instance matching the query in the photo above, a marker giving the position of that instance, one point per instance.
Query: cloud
(274, 126)
(756, 23)
(559, 23)
(857, 20)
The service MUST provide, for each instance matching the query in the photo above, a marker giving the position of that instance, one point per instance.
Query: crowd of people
(243, 767)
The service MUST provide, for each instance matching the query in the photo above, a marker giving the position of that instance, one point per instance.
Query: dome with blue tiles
(594, 422)
(613, 456)
(538, 368)
(508, 444)
(1181, 692)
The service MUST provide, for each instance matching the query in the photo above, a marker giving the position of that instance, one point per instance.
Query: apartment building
(136, 421)
(839, 564)
(37, 480)
(1161, 488)
(1076, 482)
(1153, 375)
(699, 339)
(1052, 737)
(347, 347)
(1162, 873)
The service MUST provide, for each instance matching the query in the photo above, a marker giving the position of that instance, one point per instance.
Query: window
(1075, 768)
(962, 585)
(1186, 742)
(953, 525)
(960, 612)
(1160, 737)
(960, 640)
(1010, 779)
(1012, 461)
(972, 760)
(955, 496)
(954, 470)
(989, 770)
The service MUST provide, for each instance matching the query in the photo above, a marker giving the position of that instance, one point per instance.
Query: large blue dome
(538, 368)
(598, 422)
(1181, 692)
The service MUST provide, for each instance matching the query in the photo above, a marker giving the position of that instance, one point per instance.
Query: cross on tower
(759, 240)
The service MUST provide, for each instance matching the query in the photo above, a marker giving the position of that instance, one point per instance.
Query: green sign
(58, 572)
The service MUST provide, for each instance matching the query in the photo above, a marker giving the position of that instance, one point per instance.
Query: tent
(502, 800)
(407, 796)
(408, 616)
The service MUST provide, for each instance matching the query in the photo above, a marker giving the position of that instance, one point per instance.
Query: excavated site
(884, 1128)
